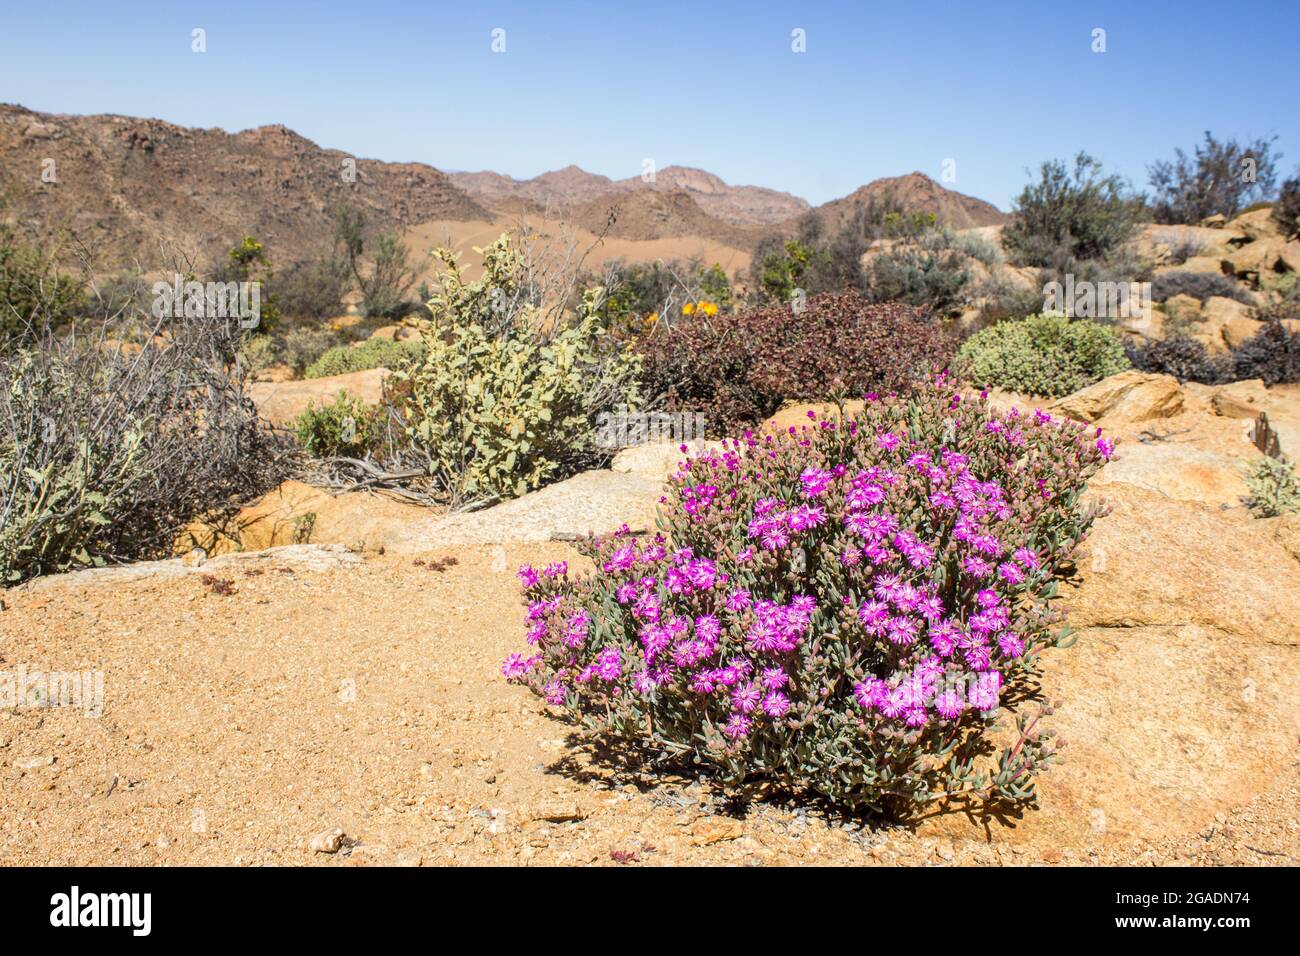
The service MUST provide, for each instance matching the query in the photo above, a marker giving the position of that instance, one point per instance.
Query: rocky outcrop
(1128, 397)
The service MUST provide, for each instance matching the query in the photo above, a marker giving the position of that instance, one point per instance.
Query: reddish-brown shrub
(738, 369)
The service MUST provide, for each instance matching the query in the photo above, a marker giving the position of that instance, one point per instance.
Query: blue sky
(884, 88)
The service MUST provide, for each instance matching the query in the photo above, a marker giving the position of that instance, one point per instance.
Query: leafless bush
(108, 448)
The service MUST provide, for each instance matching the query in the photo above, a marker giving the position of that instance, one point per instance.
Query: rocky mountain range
(739, 205)
(149, 191)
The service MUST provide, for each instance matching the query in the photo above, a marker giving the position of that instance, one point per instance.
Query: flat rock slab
(594, 501)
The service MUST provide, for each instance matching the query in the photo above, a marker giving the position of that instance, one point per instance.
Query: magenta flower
(745, 698)
(776, 704)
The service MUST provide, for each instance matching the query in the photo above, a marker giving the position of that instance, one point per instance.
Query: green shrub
(314, 290)
(1188, 189)
(1068, 216)
(1274, 488)
(248, 262)
(1047, 355)
(34, 294)
(372, 353)
(1286, 211)
(931, 271)
(346, 428)
(507, 392)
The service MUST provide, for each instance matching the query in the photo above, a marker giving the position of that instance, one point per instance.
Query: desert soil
(364, 695)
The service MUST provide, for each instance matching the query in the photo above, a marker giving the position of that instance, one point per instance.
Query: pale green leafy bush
(1048, 355)
(506, 394)
(1274, 488)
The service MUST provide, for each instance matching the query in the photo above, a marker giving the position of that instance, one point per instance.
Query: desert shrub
(372, 353)
(1286, 211)
(302, 345)
(779, 267)
(739, 369)
(1070, 215)
(1213, 181)
(314, 289)
(1281, 298)
(930, 271)
(107, 452)
(1042, 355)
(1273, 354)
(1183, 357)
(258, 352)
(34, 293)
(346, 427)
(386, 282)
(125, 293)
(1182, 244)
(640, 295)
(817, 260)
(247, 261)
(978, 248)
(507, 393)
(844, 611)
(1001, 297)
(1272, 488)
(1199, 285)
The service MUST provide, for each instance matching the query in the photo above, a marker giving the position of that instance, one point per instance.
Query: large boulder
(298, 513)
(1227, 323)
(1178, 471)
(1261, 257)
(1256, 224)
(1127, 397)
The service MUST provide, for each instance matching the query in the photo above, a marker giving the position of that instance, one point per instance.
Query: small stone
(708, 830)
(34, 763)
(327, 841)
(1052, 855)
(557, 813)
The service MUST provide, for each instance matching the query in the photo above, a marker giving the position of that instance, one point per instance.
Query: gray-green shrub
(507, 392)
(372, 353)
(1047, 355)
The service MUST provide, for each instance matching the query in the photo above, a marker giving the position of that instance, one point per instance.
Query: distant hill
(648, 213)
(915, 192)
(127, 186)
(738, 205)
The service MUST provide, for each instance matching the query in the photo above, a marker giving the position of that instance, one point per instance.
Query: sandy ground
(235, 727)
(463, 236)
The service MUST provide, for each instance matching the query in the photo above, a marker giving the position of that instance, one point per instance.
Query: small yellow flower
(709, 308)
(688, 308)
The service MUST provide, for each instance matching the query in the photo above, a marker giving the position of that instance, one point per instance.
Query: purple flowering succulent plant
(843, 608)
